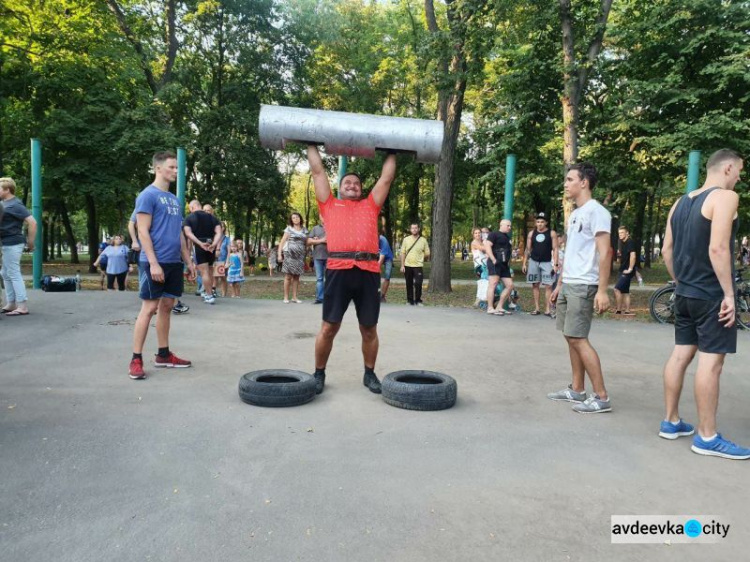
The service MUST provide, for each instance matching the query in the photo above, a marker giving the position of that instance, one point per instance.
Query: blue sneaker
(669, 430)
(719, 447)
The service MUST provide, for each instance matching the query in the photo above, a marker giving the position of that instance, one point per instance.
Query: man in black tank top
(698, 250)
(541, 255)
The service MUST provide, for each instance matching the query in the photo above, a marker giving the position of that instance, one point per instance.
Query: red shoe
(171, 361)
(136, 369)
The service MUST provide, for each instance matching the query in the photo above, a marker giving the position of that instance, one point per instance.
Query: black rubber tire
(661, 305)
(419, 390)
(277, 388)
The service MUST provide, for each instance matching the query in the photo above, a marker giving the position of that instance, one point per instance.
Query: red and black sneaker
(171, 361)
(136, 369)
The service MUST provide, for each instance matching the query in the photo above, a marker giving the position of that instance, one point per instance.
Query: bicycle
(661, 303)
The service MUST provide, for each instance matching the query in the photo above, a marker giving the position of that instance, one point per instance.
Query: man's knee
(149, 307)
(684, 353)
(576, 343)
(165, 305)
(329, 330)
(369, 333)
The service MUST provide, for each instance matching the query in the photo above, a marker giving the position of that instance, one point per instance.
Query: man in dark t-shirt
(627, 272)
(498, 249)
(204, 231)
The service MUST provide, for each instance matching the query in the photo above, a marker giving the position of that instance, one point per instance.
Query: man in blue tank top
(698, 250)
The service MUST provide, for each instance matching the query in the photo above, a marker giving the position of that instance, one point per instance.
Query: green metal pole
(693, 173)
(510, 186)
(343, 161)
(181, 176)
(36, 209)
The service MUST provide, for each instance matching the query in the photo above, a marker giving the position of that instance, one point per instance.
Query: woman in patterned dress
(295, 240)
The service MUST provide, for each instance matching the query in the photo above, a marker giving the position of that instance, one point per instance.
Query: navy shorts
(355, 284)
(623, 283)
(170, 289)
(202, 256)
(501, 269)
(697, 323)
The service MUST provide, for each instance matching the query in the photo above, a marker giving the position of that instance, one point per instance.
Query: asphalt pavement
(97, 467)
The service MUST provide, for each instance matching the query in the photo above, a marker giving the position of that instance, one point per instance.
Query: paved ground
(98, 467)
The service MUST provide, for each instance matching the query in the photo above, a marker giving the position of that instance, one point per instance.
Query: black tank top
(541, 246)
(691, 232)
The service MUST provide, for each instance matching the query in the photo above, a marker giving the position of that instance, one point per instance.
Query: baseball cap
(542, 216)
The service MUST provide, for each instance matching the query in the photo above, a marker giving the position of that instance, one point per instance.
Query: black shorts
(502, 269)
(346, 285)
(170, 289)
(623, 283)
(202, 256)
(697, 323)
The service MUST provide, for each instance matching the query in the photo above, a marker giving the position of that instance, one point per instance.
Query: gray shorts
(575, 309)
(540, 272)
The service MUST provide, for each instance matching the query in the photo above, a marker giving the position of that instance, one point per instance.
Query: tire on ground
(277, 388)
(419, 390)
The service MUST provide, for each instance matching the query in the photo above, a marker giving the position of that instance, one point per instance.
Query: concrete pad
(98, 467)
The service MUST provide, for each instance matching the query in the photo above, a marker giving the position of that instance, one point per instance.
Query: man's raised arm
(383, 186)
(318, 172)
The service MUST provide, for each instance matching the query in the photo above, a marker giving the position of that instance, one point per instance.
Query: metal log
(350, 134)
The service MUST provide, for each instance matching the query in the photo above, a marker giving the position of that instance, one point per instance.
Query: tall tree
(576, 70)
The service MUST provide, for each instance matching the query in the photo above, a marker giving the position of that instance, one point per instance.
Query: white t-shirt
(581, 265)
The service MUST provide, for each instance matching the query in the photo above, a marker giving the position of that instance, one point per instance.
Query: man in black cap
(540, 261)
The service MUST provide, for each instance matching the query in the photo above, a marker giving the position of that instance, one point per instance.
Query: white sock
(710, 438)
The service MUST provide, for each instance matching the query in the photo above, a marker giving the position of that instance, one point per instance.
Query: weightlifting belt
(356, 256)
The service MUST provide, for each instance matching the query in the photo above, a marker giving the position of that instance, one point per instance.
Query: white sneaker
(286, 301)
(208, 299)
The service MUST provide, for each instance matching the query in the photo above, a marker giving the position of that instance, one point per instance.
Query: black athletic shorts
(623, 283)
(501, 269)
(697, 323)
(346, 285)
(170, 289)
(202, 256)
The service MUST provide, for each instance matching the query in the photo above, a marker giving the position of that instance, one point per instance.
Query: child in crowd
(235, 275)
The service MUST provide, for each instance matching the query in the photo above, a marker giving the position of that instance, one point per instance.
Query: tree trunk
(451, 89)
(388, 216)
(92, 231)
(575, 78)
(308, 207)
(657, 223)
(58, 237)
(569, 98)
(414, 196)
(45, 239)
(648, 242)
(440, 275)
(69, 232)
(640, 215)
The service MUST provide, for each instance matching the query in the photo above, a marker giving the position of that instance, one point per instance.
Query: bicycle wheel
(661, 305)
(742, 310)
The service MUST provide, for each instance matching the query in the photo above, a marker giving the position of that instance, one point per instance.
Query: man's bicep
(602, 241)
(144, 222)
(724, 211)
